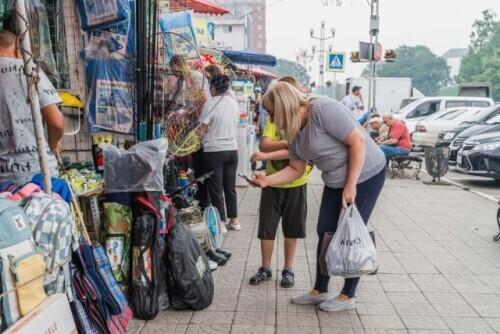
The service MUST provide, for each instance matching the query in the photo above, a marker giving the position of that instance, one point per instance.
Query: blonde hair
(283, 101)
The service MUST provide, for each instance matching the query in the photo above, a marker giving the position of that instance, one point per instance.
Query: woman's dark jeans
(222, 184)
(331, 206)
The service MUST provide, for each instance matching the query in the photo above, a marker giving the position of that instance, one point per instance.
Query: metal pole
(32, 77)
(322, 58)
(374, 73)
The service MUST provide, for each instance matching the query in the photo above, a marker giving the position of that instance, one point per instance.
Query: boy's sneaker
(287, 278)
(337, 305)
(262, 275)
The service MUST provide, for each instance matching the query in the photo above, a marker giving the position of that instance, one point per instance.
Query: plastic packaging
(102, 13)
(351, 252)
(136, 170)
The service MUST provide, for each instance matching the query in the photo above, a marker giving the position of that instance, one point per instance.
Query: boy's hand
(258, 156)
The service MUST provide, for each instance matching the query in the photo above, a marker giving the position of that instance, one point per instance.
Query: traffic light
(355, 57)
(390, 55)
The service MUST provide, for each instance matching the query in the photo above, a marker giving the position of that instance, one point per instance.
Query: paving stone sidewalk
(439, 272)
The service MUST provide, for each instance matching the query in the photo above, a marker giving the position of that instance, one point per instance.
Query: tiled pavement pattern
(439, 272)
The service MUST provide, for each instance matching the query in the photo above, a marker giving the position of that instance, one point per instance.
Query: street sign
(335, 62)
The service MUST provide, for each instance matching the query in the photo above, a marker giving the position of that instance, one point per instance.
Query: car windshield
(494, 120)
(452, 114)
(482, 116)
(407, 107)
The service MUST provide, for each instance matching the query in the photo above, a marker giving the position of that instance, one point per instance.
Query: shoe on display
(217, 258)
(213, 266)
(262, 275)
(337, 305)
(234, 226)
(223, 252)
(310, 299)
(287, 278)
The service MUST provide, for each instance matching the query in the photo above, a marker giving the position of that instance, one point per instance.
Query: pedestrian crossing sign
(336, 62)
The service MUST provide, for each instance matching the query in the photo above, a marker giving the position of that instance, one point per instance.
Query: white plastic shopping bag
(351, 252)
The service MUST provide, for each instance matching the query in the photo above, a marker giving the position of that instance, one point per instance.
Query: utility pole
(322, 52)
(374, 31)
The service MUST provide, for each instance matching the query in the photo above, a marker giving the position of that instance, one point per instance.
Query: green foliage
(428, 72)
(287, 67)
(482, 63)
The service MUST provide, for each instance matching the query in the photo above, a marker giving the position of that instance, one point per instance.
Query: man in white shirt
(354, 101)
(18, 149)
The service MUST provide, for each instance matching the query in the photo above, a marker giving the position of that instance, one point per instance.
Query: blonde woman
(325, 132)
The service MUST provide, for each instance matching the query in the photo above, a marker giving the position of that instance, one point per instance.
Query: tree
(482, 63)
(428, 72)
(287, 67)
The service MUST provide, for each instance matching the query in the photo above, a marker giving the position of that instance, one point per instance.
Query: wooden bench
(399, 164)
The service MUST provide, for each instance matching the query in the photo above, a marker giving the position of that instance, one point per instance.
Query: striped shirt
(321, 141)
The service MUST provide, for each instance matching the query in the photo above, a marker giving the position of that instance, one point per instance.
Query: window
(480, 104)
(425, 109)
(455, 104)
(227, 29)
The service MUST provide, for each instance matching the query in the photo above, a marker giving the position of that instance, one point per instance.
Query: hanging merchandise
(145, 288)
(53, 225)
(190, 282)
(21, 264)
(102, 13)
(40, 38)
(116, 42)
(136, 170)
(179, 35)
(111, 102)
(117, 228)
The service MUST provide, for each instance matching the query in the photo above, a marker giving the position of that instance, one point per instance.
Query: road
(483, 185)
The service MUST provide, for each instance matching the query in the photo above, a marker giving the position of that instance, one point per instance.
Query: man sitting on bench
(398, 143)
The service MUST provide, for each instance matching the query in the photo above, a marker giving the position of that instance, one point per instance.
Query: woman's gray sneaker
(336, 305)
(309, 299)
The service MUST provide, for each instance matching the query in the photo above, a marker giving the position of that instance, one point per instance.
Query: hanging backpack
(52, 224)
(21, 264)
(190, 282)
(145, 288)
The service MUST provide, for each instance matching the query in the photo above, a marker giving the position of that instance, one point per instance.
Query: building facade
(249, 15)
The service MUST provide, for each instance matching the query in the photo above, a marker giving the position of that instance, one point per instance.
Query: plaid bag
(83, 322)
(52, 224)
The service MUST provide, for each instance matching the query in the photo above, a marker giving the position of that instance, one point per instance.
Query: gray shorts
(287, 204)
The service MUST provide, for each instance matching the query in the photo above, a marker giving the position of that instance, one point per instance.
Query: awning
(250, 57)
(198, 6)
(257, 71)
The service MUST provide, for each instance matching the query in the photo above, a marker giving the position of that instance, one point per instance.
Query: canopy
(250, 57)
(198, 6)
(257, 71)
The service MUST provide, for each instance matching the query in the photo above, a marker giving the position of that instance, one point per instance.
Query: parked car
(480, 156)
(407, 101)
(427, 130)
(491, 125)
(427, 106)
(447, 136)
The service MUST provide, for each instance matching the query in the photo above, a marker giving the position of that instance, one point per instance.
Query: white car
(427, 106)
(427, 130)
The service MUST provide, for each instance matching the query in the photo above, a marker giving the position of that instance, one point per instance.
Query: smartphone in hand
(249, 180)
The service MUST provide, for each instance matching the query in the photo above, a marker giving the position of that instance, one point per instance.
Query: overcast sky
(439, 24)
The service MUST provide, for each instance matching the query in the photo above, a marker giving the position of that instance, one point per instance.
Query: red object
(257, 71)
(400, 132)
(198, 6)
(377, 52)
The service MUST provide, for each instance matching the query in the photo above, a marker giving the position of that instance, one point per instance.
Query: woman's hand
(348, 195)
(258, 156)
(261, 180)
